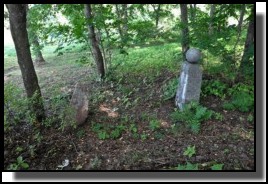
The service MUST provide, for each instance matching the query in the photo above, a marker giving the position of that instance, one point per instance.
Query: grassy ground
(129, 124)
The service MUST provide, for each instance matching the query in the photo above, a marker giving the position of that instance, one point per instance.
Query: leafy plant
(154, 124)
(192, 114)
(214, 87)
(20, 164)
(217, 167)
(169, 89)
(244, 102)
(103, 135)
(190, 151)
(188, 166)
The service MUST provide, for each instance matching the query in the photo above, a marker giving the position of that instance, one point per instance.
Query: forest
(95, 87)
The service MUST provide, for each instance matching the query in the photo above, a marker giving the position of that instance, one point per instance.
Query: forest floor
(128, 126)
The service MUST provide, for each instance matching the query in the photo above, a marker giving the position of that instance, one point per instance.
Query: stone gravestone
(190, 80)
(79, 102)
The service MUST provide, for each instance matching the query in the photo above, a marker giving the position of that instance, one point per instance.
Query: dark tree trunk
(94, 43)
(212, 15)
(157, 14)
(17, 18)
(242, 13)
(248, 44)
(185, 30)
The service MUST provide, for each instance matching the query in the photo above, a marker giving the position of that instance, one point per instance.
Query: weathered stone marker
(190, 80)
(79, 102)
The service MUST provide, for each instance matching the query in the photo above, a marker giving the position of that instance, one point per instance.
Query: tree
(39, 59)
(185, 29)
(157, 9)
(17, 19)
(94, 42)
(249, 43)
(212, 15)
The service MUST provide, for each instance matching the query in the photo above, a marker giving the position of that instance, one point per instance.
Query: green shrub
(192, 114)
(16, 107)
(214, 87)
(243, 101)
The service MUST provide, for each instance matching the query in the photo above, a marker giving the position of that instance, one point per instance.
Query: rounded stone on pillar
(193, 55)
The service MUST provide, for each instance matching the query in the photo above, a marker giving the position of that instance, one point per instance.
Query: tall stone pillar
(189, 88)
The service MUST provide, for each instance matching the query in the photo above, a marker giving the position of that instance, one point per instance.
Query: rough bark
(94, 43)
(185, 29)
(17, 18)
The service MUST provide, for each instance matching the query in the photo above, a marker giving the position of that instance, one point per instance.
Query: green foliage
(189, 151)
(188, 166)
(214, 87)
(16, 110)
(62, 113)
(242, 99)
(154, 124)
(169, 89)
(192, 114)
(106, 132)
(20, 164)
(217, 167)
(103, 135)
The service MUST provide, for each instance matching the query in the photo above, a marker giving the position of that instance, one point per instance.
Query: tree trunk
(242, 13)
(17, 18)
(248, 44)
(94, 43)
(239, 26)
(125, 26)
(156, 14)
(39, 59)
(119, 24)
(212, 15)
(33, 39)
(185, 30)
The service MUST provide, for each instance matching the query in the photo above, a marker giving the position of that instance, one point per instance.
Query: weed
(169, 89)
(188, 166)
(144, 136)
(20, 164)
(193, 114)
(217, 167)
(103, 135)
(218, 116)
(154, 124)
(190, 151)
